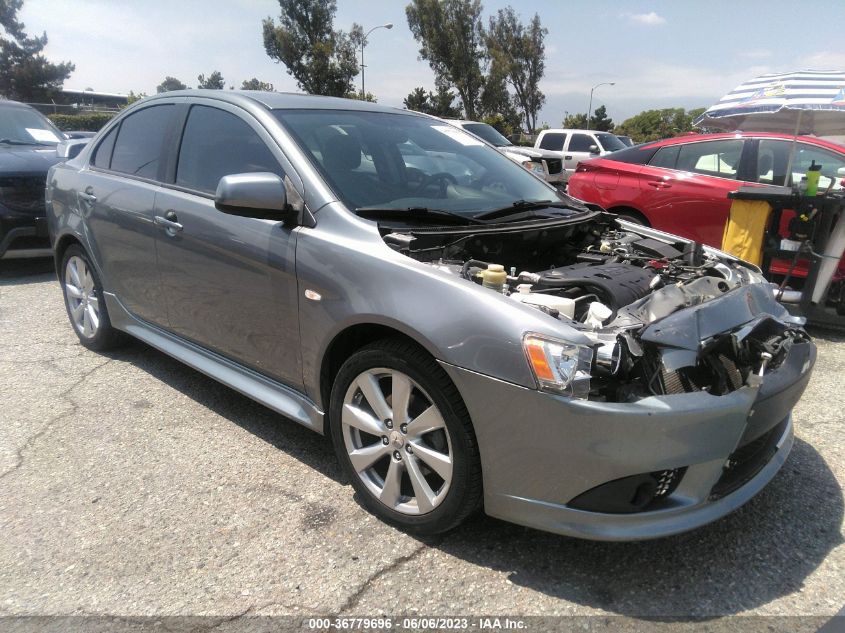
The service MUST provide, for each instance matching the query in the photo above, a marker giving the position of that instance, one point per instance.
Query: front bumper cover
(540, 451)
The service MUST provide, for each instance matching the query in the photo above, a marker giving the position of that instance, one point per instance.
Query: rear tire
(84, 301)
(403, 435)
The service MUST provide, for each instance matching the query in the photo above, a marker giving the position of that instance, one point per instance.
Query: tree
(652, 125)
(321, 59)
(451, 38)
(575, 121)
(600, 121)
(214, 81)
(439, 104)
(133, 97)
(170, 83)
(25, 73)
(255, 84)
(520, 54)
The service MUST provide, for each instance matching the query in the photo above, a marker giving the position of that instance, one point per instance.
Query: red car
(680, 185)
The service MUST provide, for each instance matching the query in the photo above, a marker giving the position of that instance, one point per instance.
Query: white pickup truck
(573, 146)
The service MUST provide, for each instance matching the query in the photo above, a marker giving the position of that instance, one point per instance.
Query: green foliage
(451, 38)
(25, 74)
(367, 97)
(84, 121)
(170, 83)
(519, 55)
(255, 84)
(575, 121)
(132, 97)
(436, 104)
(600, 121)
(321, 59)
(652, 125)
(214, 81)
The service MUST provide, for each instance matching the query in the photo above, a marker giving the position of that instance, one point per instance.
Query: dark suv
(28, 143)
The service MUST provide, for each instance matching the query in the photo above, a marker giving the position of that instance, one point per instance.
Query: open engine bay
(664, 315)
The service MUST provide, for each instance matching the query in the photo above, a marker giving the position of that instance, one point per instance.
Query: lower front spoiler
(563, 520)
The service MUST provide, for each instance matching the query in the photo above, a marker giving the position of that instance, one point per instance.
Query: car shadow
(16, 272)
(763, 551)
(294, 439)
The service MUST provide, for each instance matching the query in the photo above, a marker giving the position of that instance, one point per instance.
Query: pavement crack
(355, 597)
(66, 395)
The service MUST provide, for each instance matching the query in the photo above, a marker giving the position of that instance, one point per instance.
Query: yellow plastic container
(494, 277)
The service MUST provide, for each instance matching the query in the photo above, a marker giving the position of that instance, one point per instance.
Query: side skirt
(274, 395)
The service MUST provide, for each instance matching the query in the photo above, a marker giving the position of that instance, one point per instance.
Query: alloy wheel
(397, 441)
(83, 303)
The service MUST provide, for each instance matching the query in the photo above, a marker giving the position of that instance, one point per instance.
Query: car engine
(614, 285)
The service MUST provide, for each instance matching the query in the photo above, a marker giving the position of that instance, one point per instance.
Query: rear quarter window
(633, 155)
(137, 150)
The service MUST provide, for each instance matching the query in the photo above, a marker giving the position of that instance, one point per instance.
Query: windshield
(609, 142)
(26, 126)
(487, 133)
(402, 161)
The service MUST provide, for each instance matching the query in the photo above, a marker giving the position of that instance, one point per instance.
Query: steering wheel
(441, 178)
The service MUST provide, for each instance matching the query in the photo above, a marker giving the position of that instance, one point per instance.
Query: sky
(670, 53)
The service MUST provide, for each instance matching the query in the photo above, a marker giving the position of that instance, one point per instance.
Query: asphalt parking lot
(133, 485)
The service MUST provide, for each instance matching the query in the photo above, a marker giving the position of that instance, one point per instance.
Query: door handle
(659, 185)
(567, 158)
(168, 222)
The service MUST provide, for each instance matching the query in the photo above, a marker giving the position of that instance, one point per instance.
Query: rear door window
(138, 148)
(711, 158)
(553, 141)
(580, 143)
(217, 143)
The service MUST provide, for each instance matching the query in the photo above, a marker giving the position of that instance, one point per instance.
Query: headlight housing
(559, 366)
(534, 167)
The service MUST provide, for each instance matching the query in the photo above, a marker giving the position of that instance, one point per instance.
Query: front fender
(361, 280)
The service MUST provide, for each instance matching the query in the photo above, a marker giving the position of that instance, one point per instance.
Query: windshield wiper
(520, 206)
(413, 214)
(12, 141)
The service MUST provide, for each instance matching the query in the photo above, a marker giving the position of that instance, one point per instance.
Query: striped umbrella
(803, 102)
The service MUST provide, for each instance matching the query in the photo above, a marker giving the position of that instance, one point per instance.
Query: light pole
(590, 108)
(389, 25)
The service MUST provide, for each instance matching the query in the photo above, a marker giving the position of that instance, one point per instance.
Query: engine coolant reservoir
(494, 277)
(565, 306)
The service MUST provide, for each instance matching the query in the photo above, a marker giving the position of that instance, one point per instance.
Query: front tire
(403, 436)
(84, 301)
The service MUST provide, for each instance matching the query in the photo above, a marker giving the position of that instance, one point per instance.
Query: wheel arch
(623, 209)
(63, 242)
(348, 341)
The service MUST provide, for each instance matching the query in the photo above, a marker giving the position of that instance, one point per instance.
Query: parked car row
(467, 335)
(545, 164)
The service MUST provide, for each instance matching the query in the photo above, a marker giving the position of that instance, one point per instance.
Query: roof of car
(6, 103)
(693, 137)
(282, 100)
(567, 130)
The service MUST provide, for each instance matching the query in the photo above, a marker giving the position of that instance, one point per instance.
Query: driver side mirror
(594, 149)
(260, 195)
(71, 148)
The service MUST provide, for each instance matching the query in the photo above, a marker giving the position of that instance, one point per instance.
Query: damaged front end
(682, 340)
(663, 315)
